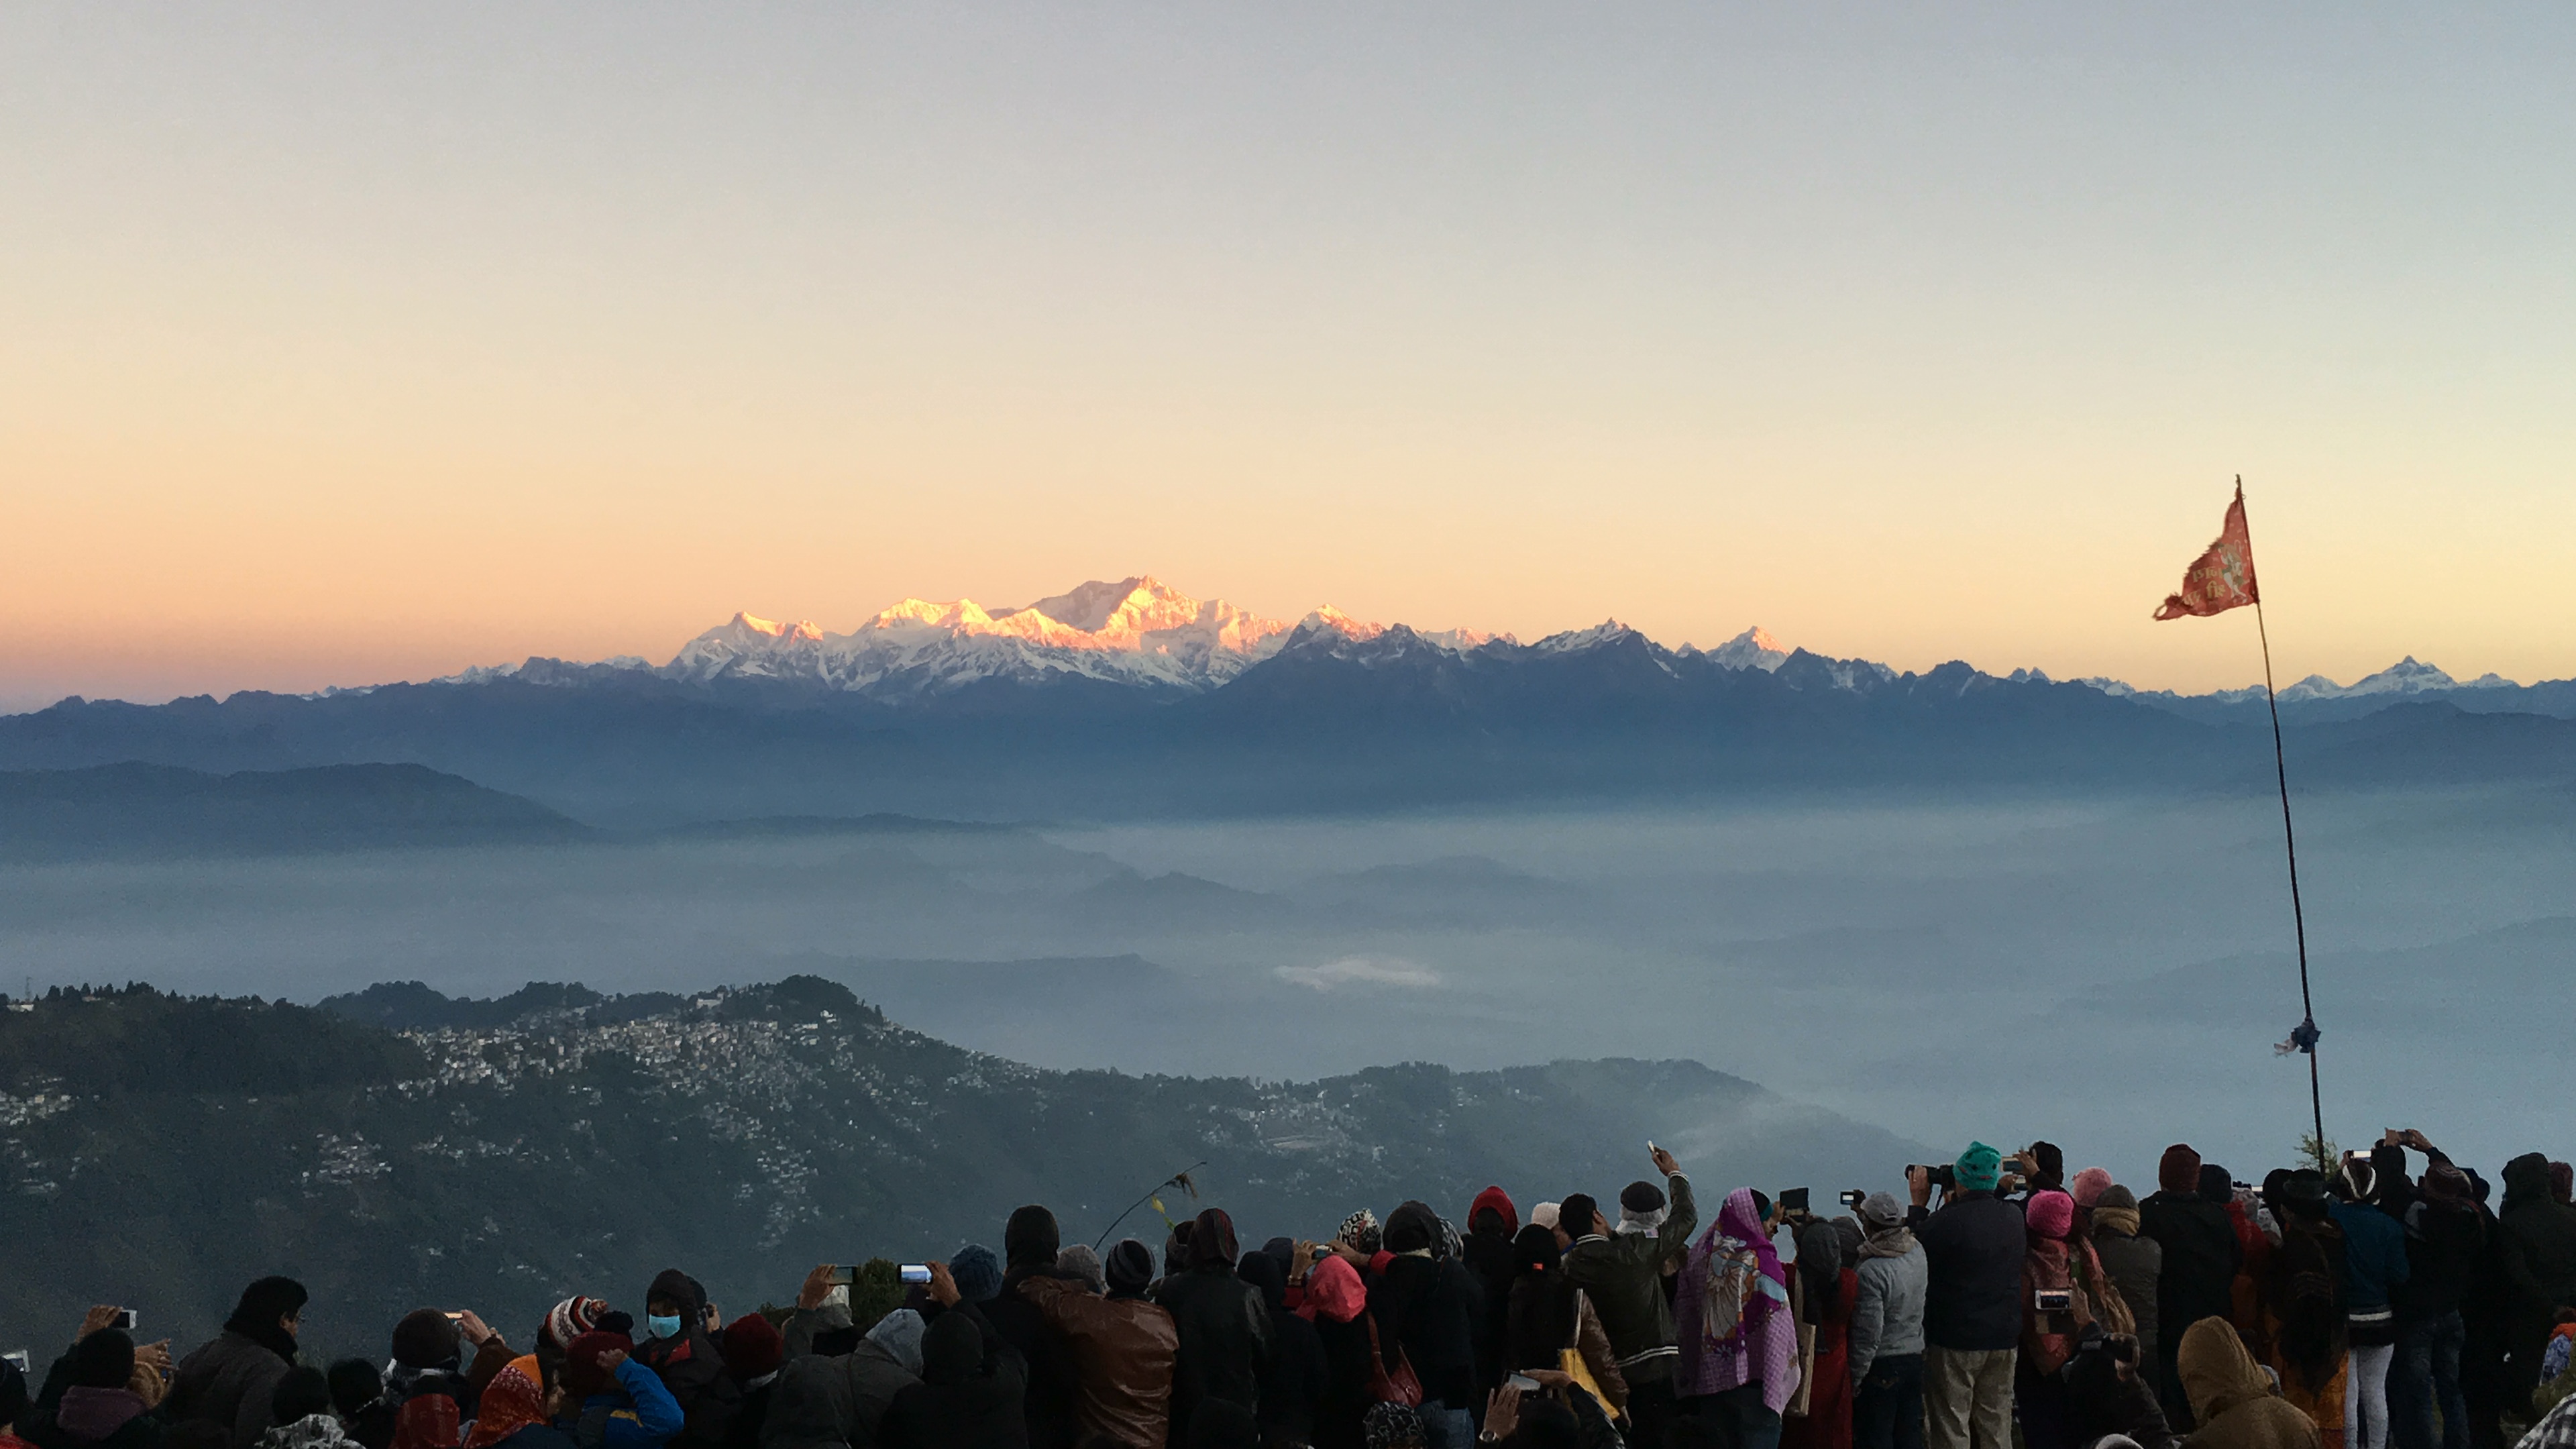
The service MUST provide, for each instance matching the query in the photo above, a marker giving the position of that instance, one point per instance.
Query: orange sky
(340, 346)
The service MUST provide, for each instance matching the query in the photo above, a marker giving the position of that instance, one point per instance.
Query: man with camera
(1973, 1249)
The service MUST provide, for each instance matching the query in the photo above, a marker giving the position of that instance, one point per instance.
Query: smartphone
(843, 1275)
(19, 1357)
(1524, 1383)
(124, 1319)
(2053, 1300)
(1793, 1199)
(455, 1316)
(914, 1272)
(1852, 1197)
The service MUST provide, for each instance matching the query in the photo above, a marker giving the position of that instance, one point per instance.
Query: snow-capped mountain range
(1136, 631)
(1143, 632)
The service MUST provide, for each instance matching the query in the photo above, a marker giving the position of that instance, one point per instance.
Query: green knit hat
(1978, 1168)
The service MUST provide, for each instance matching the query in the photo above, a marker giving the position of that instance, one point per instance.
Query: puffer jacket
(1624, 1276)
(227, 1380)
(1887, 1306)
(1123, 1349)
(2133, 1264)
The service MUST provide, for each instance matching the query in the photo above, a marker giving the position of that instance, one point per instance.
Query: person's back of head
(752, 1348)
(2216, 1185)
(1082, 1262)
(104, 1360)
(2356, 1182)
(1129, 1268)
(1223, 1424)
(1030, 1239)
(426, 1338)
(301, 1393)
(1641, 1206)
(1575, 1214)
(1408, 1235)
(586, 1371)
(976, 1272)
(2388, 1165)
(354, 1383)
(264, 1310)
(2178, 1171)
(952, 1351)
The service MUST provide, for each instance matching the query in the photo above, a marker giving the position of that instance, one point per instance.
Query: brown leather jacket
(1123, 1349)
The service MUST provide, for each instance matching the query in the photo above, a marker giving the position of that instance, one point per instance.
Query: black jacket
(1430, 1307)
(1490, 1261)
(970, 1396)
(2543, 1228)
(2101, 1402)
(1048, 1401)
(1345, 1401)
(1973, 1250)
(2201, 1259)
(1294, 1383)
(2442, 1245)
(1224, 1339)
(40, 1425)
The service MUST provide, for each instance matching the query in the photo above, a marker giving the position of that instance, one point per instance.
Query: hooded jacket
(1029, 1244)
(68, 1416)
(1222, 1337)
(1624, 1276)
(1489, 1258)
(971, 1390)
(2234, 1403)
(2133, 1263)
(1122, 1350)
(690, 1364)
(2443, 1240)
(2542, 1228)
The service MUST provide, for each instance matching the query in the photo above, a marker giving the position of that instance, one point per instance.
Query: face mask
(663, 1327)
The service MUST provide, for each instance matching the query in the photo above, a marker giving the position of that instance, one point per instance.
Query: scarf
(1633, 1223)
(88, 1415)
(1733, 1310)
(2122, 1221)
(1892, 1243)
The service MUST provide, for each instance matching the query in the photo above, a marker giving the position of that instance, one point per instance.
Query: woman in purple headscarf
(1738, 1340)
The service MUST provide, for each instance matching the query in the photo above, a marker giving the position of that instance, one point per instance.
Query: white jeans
(2365, 1398)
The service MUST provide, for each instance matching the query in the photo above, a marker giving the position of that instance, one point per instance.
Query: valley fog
(2109, 974)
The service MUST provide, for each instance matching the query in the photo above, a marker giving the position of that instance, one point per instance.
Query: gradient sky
(344, 343)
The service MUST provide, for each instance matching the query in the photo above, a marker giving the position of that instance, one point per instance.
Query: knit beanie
(425, 1338)
(1978, 1168)
(2178, 1171)
(2049, 1214)
(1546, 1215)
(1030, 1239)
(1130, 1266)
(1079, 1260)
(977, 1272)
(2117, 1199)
(2217, 1186)
(572, 1318)
(584, 1373)
(1881, 1211)
(2089, 1185)
(752, 1348)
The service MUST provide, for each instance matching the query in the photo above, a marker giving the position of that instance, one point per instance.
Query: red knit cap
(583, 1372)
(752, 1348)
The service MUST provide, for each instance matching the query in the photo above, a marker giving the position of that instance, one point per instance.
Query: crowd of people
(2387, 1305)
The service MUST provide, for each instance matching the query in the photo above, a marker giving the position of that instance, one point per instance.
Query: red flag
(2222, 578)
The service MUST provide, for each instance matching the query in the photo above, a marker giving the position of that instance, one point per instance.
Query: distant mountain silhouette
(134, 809)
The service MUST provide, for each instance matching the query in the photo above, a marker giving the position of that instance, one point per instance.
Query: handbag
(1391, 1386)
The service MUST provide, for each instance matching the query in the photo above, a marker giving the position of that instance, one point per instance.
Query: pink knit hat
(2089, 1185)
(2050, 1214)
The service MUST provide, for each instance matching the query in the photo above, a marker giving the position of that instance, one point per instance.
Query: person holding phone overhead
(1623, 1276)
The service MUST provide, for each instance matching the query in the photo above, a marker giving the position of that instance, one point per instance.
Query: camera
(1945, 1176)
(1793, 1200)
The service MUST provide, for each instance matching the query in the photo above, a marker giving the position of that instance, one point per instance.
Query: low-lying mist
(2107, 974)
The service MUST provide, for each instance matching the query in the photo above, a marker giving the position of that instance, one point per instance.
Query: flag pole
(2306, 1035)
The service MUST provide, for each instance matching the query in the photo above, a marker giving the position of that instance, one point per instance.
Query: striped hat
(572, 1318)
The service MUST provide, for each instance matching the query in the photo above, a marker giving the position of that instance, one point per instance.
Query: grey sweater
(1887, 1314)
